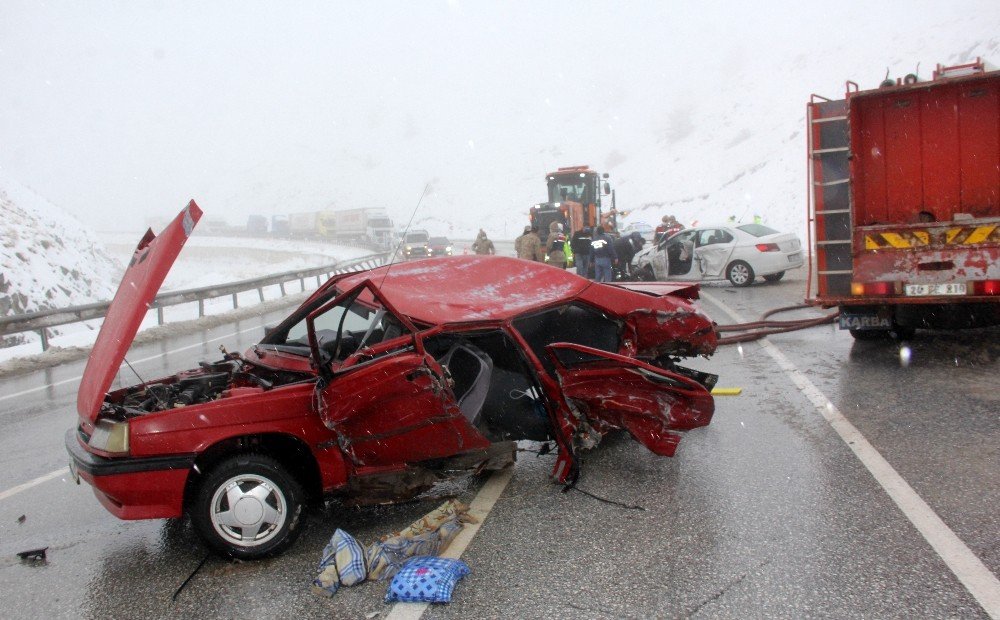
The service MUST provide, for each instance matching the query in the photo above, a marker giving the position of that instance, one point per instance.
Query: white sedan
(738, 253)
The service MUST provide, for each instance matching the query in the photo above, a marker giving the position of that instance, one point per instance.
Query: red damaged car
(380, 384)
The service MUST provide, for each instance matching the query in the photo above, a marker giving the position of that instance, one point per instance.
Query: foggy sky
(117, 111)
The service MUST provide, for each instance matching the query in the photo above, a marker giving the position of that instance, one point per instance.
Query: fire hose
(764, 327)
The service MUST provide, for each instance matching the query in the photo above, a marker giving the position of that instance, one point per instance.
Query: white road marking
(139, 361)
(33, 483)
(480, 508)
(982, 584)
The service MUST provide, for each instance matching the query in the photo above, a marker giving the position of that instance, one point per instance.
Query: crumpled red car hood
(146, 271)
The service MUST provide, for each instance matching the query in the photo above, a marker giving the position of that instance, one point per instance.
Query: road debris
(191, 576)
(343, 564)
(726, 391)
(34, 555)
(429, 535)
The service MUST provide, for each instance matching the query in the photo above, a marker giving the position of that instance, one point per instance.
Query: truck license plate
(924, 290)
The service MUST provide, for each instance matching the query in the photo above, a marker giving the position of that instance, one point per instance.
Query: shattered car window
(359, 321)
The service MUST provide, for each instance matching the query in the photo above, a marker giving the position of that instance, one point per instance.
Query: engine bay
(211, 381)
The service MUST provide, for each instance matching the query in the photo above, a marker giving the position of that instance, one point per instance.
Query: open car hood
(145, 273)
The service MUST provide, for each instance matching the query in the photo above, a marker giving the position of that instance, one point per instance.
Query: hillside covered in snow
(48, 259)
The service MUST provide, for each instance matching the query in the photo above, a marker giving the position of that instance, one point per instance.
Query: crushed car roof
(459, 289)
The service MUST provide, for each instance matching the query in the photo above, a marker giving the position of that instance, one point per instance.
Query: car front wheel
(740, 273)
(248, 507)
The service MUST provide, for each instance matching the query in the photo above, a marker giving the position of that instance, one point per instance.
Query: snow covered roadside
(203, 261)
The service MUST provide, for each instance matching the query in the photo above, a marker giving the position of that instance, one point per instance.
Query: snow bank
(48, 259)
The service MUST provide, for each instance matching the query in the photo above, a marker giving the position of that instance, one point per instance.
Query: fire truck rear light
(879, 288)
(768, 247)
(987, 287)
(861, 289)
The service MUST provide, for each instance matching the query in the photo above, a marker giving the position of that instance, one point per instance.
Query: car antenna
(395, 252)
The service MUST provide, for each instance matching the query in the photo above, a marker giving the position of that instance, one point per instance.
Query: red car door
(614, 391)
(390, 403)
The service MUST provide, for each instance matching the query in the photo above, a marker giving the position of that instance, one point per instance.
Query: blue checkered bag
(426, 579)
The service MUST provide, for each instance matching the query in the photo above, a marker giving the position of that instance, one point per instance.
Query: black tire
(740, 273)
(774, 277)
(272, 512)
(870, 334)
(897, 332)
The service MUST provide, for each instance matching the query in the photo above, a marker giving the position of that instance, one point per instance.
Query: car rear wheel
(774, 277)
(248, 507)
(740, 273)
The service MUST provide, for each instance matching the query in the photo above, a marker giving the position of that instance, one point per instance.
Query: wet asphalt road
(765, 513)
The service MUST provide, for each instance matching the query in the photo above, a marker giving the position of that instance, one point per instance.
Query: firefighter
(529, 245)
(482, 245)
(556, 246)
(668, 227)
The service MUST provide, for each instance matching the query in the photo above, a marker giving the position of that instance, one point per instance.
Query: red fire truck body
(904, 206)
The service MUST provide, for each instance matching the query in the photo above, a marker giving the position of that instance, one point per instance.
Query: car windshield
(757, 230)
(359, 320)
(439, 241)
(416, 237)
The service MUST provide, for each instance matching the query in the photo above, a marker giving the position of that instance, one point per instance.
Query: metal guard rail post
(43, 319)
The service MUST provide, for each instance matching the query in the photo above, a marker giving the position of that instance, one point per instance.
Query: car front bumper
(132, 488)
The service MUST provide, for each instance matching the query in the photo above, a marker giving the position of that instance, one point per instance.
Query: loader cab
(574, 200)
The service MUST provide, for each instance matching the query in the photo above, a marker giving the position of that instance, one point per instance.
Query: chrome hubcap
(740, 274)
(248, 509)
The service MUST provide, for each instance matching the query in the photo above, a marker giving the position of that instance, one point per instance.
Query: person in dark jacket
(580, 244)
(603, 253)
(626, 248)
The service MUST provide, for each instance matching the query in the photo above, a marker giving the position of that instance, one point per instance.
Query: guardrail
(41, 320)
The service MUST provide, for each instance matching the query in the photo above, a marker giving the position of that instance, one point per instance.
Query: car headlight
(110, 436)
(448, 249)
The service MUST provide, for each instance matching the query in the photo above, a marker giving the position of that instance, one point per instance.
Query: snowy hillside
(48, 259)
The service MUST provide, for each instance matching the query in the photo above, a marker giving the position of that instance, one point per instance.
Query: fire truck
(904, 203)
(574, 200)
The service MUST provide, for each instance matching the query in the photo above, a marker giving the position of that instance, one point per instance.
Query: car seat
(471, 370)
